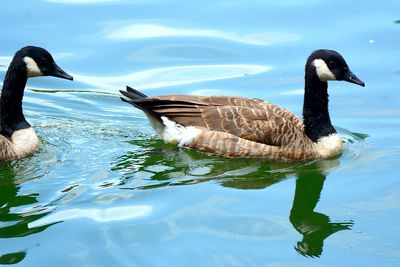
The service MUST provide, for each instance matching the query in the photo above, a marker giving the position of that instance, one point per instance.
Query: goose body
(248, 127)
(17, 137)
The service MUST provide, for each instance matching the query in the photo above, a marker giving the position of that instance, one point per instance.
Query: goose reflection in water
(14, 219)
(162, 165)
(314, 226)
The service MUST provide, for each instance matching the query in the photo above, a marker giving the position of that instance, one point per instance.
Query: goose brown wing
(230, 101)
(254, 124)
(186, 109)
(251, 119)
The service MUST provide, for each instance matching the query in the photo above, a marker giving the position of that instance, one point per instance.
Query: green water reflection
(12, 258)
(15, 225)
(314, 226)
(163, 165)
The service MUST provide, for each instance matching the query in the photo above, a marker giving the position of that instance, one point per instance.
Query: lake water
(105, 191)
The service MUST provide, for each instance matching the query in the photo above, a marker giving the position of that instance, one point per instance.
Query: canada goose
(249, 127)
(17, 138)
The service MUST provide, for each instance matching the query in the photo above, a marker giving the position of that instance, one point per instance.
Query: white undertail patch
(25, 142)
(32, 67)
(177, 134)
(323, 72)
(330, 145)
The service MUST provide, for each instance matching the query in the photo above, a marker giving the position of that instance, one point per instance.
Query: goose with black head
(17, 138)
(248, 127)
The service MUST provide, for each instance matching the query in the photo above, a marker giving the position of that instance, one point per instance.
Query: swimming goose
(249, 127)
(17, 138)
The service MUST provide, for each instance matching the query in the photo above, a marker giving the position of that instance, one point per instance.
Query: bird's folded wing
(251, 119)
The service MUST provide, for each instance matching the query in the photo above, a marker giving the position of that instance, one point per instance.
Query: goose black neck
(11, 115)
(315, 109)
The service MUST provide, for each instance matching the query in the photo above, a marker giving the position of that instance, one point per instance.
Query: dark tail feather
(131, 102)
(135, 92)
(135, 98)
(132, 95)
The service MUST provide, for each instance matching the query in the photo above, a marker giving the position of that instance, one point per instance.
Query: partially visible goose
(17, 138)
(249, 127)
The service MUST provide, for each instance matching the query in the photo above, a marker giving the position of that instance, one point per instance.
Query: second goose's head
(38, 62)
(330, 65)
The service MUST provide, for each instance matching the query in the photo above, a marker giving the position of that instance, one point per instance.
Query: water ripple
(172, 76)
(146, 31)
(156, 164)
(98, 215)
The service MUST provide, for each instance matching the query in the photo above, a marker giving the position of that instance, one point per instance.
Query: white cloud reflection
(293, 92)
(158, 77)
(171, 76)
(98, 215)
(145, 31)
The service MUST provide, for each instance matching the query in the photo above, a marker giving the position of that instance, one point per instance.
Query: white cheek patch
(177, 134)
(323, 72)
(32, 67)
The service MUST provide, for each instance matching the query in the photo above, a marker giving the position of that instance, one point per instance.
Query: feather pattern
(6, 152)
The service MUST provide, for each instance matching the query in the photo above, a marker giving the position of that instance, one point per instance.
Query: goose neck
(11, 115)
(315, 109)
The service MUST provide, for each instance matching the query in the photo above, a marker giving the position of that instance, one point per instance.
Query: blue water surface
(105, 191)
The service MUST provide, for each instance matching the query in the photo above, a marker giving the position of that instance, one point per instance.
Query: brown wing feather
(258, 125)
(251, 119)
(234, 101)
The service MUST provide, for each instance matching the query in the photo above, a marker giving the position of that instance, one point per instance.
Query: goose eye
(332, 64)
(44, 61)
